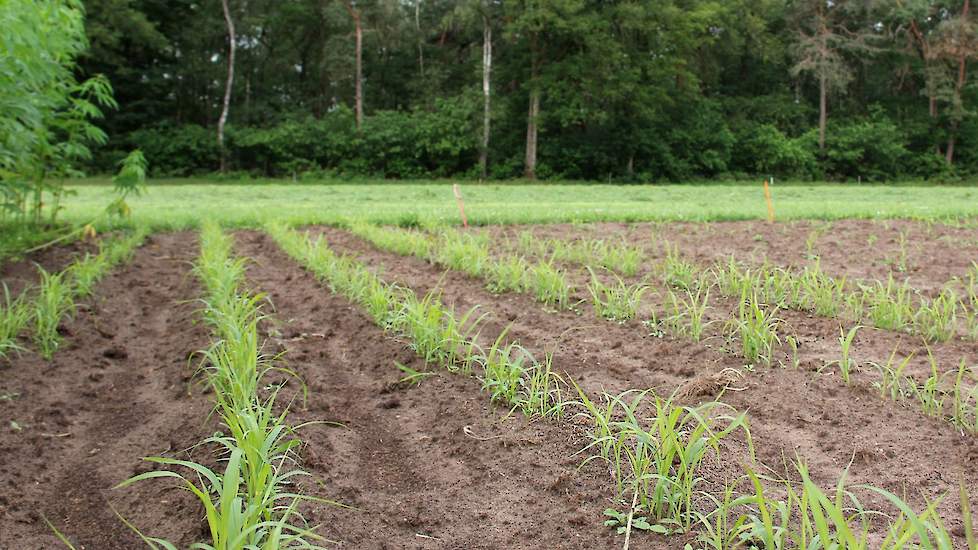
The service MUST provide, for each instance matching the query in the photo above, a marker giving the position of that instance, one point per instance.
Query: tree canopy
(628, 90)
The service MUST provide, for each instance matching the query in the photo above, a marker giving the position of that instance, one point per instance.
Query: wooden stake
(770, 206)
(461, 204)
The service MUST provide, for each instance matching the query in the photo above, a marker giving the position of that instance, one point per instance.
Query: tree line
(622, 90)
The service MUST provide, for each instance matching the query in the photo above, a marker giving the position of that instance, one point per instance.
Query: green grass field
(183, 203)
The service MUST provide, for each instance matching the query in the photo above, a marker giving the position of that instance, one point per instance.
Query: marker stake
(770, 205)
(461, 204)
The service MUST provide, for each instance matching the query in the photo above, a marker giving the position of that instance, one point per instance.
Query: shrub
(178, 150)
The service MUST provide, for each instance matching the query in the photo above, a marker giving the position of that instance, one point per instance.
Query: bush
(872, 149)
(762, 149)
(177, 150)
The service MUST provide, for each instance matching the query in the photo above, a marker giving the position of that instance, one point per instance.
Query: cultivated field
(726, 384)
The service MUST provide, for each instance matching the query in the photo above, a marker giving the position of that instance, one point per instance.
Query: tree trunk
(823, 114)
(530, 163)
(530, 169)
(228, 85)
(358, 78)
(486, 94)
(417, 26)
(958, 88)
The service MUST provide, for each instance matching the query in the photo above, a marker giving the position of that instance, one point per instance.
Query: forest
(623, 90)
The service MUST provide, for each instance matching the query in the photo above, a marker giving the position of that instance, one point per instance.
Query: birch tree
(229, 83)
(356, 16)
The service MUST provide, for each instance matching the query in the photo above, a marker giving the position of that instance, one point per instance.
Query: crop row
(755, 328)
(251, 503)
(887, 305)
(653, 447)
(40, 311)
(951, 396)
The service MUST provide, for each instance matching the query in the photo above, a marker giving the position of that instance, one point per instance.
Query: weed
(678, 272)
(462, 252)
(399, 241)
(731, 280)
(549, 285)
(84, 273)
(824, 294)
(507, 275)
(616, 301)
(234, 521)
(15, 315)
(757, 328)
(619, 258)
(696, 305)
(893, 384)
(901, 262)
(435, 333)
(964, 399)
(845, 362)
(54, 302)
(657, 460)
(936, 319)
(87, 271)
(889, 306)
(412, 377)
(511, 375)
(793, 344)
(929, 394)
(541, 393)
(688, 313)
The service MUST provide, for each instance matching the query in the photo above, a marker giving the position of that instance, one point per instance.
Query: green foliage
(41, 38)
(392, 144)
(252, 504)
(177, 150)
(872, 148)
(765, 150)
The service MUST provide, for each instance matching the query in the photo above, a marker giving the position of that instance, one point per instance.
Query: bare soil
(928, 255)
(436, 465)
(427, 466)
(22, 273)
(793, 412)
(118, 390)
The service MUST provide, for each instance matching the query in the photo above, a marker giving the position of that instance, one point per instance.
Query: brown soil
(429, 466)
(436, 465)
(792, 412)
(933, 254)
(20, 274)
(74, 427)
(817, 336)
